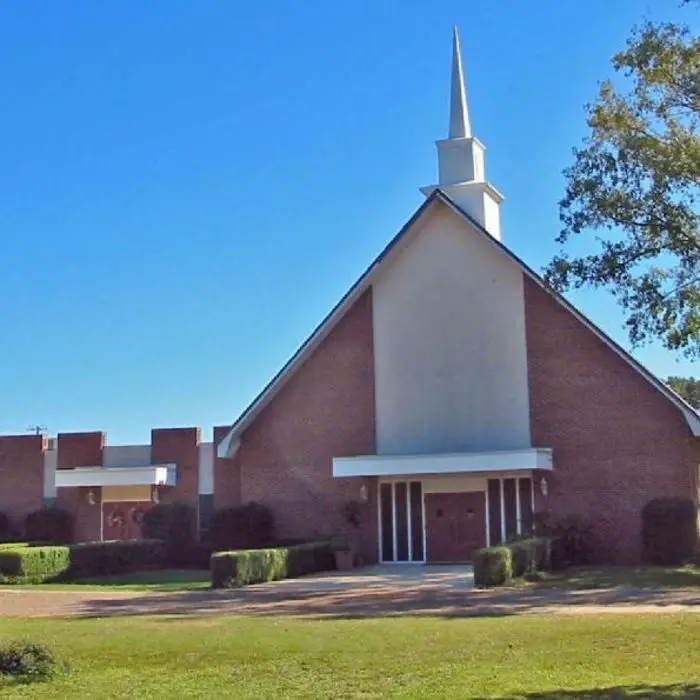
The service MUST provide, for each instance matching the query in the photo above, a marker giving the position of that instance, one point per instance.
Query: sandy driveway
(448, 593)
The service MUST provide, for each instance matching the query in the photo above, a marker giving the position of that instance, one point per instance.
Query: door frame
(393, 481)
(492, 538)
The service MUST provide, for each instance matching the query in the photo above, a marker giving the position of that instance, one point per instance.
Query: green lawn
(590, 578)
(161, 580)
(613, 656)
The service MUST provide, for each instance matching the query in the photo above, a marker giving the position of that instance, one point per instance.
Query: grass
(650, 577)
(165, 580)
(614, 656)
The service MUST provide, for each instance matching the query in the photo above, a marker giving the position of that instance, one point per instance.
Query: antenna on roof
(37, 429)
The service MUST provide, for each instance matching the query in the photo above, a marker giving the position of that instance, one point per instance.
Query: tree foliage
(635, 184)
(687, 387)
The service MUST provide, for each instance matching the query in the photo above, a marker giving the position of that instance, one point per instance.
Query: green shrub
(115, 557)
(31, 564)
(493, 566)
(572, 539)
(245, 526)
(53, 525)
(34, 564)
(670, 530)
(4, 526)
(531, 554)
(176, 525)
(242, 567)
(27, 662)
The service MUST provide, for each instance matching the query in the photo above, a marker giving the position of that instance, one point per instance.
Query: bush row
(237, 568)
(496, 566)
(25, 563)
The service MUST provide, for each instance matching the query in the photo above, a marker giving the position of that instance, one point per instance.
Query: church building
(447, 399)
(452, 395)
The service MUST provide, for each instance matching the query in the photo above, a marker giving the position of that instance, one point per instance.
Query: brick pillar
(181, 447)
(227, 474)
(81, 450)
(21, 477)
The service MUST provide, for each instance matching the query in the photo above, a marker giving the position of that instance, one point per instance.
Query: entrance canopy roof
(395, 465)
(152, 475)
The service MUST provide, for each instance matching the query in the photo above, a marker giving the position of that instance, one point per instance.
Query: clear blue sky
(186, 188)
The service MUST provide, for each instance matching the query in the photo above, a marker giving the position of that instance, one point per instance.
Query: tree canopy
(687, 387)
(633, 190)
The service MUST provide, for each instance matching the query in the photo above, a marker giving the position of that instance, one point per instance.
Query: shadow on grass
(304, 598)
(636, 692)
(649, 577)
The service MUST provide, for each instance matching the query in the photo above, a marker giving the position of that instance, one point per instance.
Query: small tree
(670, 530)
(244, 526)
(53, 525)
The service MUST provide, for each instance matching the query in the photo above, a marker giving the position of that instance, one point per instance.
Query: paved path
(444, 592)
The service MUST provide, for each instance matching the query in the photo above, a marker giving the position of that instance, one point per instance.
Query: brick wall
(81, 450)
(325, 410)
(21, 476)
(227, 476)
(179, 446)
(617, 441)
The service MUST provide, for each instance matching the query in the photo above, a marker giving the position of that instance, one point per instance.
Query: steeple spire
(461, 161)
(460, 126)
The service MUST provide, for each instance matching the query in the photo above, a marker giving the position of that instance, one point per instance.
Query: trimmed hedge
(26, 563)
(531, 554)
(493, 566)
(4, 526)
(33, 564)
(116, 557)
(53, 525)
(670, 530)
(238, 568)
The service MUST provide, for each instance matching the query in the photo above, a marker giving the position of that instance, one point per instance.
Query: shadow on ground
(382, 601)
(636, 692)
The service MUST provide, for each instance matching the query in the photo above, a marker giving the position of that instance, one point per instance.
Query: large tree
(633, 190)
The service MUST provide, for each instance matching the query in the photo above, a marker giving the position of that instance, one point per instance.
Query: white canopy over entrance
(153, 475)
(394, 465)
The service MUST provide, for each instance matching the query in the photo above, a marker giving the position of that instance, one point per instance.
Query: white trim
(518, 508)
(409, 524)
(503, 510)
(425, 525)
(380, 553)
(102, 519)
(469, 462)
(156, 475)
(324, 328)
(488, 515)
(393, 521)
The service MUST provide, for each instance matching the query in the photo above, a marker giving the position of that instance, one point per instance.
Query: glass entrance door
(401, 536)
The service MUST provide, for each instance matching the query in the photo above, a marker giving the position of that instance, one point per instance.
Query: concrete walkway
(372, 592)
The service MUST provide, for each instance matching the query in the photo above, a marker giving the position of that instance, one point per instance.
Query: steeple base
(480, 200)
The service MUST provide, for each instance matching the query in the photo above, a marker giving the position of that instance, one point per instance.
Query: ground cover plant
(613, 656)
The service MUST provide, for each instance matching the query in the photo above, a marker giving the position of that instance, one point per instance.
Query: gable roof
(364, 282)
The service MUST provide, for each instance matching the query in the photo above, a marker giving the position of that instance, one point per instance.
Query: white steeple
(461, 157)
(460, 127)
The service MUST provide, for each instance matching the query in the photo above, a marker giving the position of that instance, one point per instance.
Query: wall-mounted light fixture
(155, 495)
(363, 493)
(544, 487)
(91, 497)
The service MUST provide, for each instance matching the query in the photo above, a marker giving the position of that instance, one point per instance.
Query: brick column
(227, 474)
(21, 477)
(81, 450)
(179, 446)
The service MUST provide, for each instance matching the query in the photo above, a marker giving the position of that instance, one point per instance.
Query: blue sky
(186, 188)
